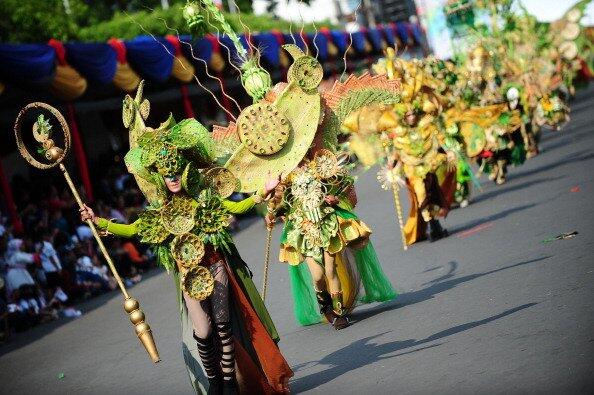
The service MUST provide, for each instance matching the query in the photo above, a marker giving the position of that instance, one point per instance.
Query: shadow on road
(581, 156)
(366, 351)
(434, 287)
(512, 188)
(496, 216)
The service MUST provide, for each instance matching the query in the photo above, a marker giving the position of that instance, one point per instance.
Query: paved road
(491, 309)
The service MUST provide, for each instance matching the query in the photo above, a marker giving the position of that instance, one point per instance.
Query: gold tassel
(217, 63)
(68, 84)
(125, 78)
(182, 69)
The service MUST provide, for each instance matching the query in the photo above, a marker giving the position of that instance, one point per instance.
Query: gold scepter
(55, 155)
(270, 208)
(398, 207)
(392, 179)
(266, 260)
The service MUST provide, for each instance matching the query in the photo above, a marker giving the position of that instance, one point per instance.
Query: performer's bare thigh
(199, 314)
(317, 274)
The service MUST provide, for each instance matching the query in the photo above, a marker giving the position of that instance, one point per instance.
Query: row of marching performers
(487, 106)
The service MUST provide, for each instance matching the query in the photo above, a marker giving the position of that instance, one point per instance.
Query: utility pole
(368, 10)
(232, 7)
(339, 14)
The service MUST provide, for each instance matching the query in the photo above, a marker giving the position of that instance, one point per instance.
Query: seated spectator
(140, 261)
(17, 319)
(83, 232)
(65, 266)
(17, 260)
(34, 304)
(102, 271)
(85, 275)
(50, 262)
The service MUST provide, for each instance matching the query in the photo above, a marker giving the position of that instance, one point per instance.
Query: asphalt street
(492, 309)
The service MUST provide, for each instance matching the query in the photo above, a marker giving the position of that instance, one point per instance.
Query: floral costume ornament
(187, 230)
(274, 136)
(316, 227)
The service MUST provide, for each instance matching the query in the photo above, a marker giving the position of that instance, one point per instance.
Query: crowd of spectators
(54, 263)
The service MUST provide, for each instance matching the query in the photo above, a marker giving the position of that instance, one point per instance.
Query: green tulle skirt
(376, 286)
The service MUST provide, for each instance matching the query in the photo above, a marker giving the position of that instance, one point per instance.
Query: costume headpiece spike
(256, 80)
(294, 51)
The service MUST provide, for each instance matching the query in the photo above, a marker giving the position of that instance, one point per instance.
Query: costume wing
(354, 94)
(134, 113)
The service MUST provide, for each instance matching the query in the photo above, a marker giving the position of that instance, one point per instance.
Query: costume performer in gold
(411, 133)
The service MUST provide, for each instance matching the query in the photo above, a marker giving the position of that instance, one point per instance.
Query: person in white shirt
(84, 232)
(50, 261)
(17, 261)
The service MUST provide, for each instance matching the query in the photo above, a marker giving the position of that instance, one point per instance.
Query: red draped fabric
(275, 369)
(174, 40)
(11, 206)
(79, 153)
(58, 46)
(119, 48)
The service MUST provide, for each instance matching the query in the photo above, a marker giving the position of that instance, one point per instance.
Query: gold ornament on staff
(55, 155)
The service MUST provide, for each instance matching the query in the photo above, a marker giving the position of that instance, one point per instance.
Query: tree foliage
(40, 20)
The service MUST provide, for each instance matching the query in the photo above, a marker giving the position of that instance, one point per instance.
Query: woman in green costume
(185, 223)
(321, 239)
(286, 123)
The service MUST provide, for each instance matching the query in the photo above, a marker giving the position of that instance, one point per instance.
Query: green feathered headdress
(171, 149)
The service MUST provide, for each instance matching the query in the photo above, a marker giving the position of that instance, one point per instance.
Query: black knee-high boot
(208, 355)
(225, 334)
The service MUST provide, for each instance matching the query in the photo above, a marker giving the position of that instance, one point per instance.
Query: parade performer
(569, 49)
(412, 133)
(316, 196)
(486, 117)
(445, 79)
(185, 223)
